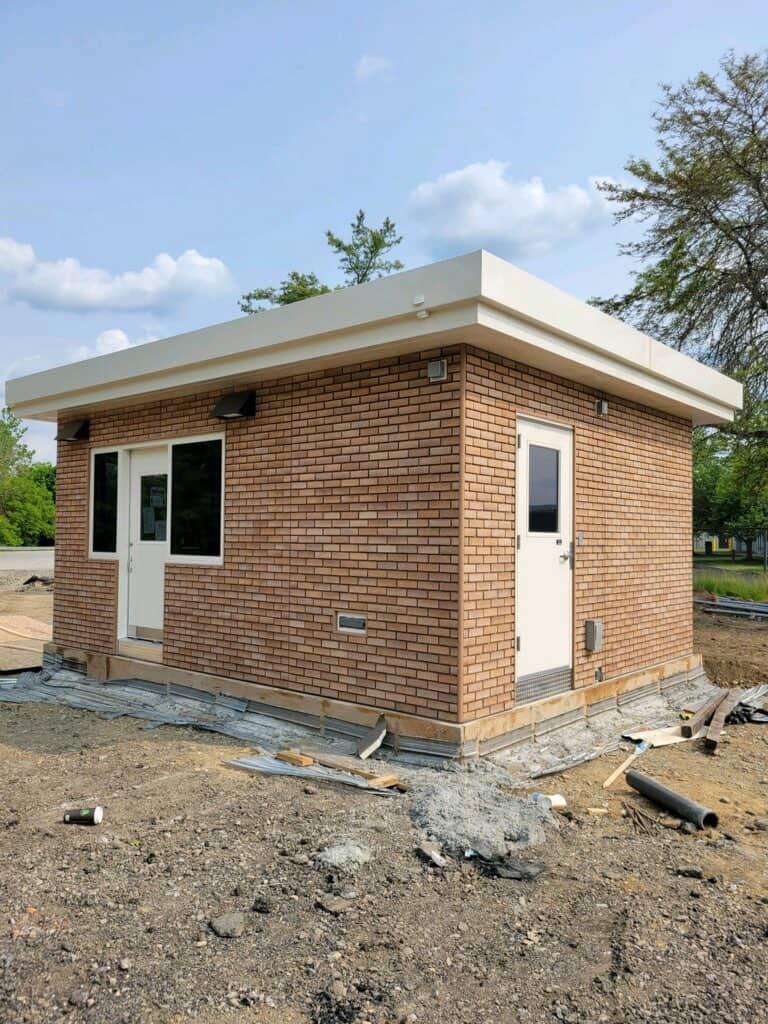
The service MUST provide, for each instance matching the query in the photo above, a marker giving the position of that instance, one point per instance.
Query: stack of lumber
(712, 715)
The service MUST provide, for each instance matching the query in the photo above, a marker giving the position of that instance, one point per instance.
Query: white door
(147, 541)
(544, 616)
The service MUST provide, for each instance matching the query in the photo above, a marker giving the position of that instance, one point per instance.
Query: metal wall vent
(346, 623)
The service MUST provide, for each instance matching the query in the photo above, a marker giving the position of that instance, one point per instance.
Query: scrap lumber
(373, 739)
(727, 704)
(703, 715)
(639, 749)
(342, 764)
(294, 757)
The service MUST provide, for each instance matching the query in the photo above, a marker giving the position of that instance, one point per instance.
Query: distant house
(455, 495)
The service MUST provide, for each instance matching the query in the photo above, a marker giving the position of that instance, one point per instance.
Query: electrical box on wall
(593, 634)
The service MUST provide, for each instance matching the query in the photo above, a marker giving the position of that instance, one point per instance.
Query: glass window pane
(154, 503)
(196, 498)
(543, 489)
(105, 502)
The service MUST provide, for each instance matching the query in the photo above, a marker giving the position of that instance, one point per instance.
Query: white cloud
(112, 340)
(15, 256)
(369, 66)
(67, 285)
(480, 206)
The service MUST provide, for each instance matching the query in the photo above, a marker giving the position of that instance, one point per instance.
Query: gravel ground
(113, 923)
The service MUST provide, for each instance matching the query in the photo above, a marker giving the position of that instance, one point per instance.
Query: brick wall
(341, 494)
(85, 595)
(632, 501)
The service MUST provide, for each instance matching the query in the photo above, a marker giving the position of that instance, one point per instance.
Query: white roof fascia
(477, 298)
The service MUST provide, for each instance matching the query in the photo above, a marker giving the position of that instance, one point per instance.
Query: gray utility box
(593, 634)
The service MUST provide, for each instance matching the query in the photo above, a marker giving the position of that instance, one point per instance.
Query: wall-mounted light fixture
(74, 430)
(237, 405)
(601, 407)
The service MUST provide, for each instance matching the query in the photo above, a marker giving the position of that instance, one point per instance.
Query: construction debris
(639, 749)
(431, 852)
(295, 758)
(266, 764)
(514, 868)
(371, 742)
(641, 822)
(715, 729)
(730, 606)
(681, 805)
(347, 764)
(347, 856)
(475, 808)
(703, 716)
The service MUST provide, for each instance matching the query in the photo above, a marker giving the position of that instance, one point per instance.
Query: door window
(543, 489)
(154, 506)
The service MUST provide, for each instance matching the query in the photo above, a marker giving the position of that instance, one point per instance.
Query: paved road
(38, 560)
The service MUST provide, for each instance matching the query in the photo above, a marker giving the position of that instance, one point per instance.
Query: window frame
(123, 486)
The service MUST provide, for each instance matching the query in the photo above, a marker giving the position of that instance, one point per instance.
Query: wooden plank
(640, 749)
(373, 739)
(384, 781)
(294, 757)
(703, 715)
(343, 764)
(725, 707)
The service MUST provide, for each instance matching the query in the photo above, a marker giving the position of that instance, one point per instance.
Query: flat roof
(478, 299)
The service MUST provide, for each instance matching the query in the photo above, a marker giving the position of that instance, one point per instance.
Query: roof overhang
(477, 299)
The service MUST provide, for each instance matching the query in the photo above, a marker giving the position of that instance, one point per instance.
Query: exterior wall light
(74, 430)
(237, 405)
(601, 407)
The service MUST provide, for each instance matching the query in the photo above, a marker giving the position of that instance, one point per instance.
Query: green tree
(294, 288)
(27, 490)
(743, 493)
(364, 257)
(709, 463)
(702, 285)
(13, 452)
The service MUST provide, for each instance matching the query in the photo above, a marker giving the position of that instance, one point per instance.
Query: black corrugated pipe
(680, 805)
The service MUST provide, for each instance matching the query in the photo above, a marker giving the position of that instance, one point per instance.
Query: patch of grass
(723, 563)
(752, 589)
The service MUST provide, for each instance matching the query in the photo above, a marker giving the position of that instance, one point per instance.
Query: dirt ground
(735, 650)
(112, 923)
(26, 614)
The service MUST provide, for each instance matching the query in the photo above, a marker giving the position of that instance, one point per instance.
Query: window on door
(104, 514)
(196, 481)
(543, 489)
(154, 507)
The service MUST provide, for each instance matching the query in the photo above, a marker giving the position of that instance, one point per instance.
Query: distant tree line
(27, 489)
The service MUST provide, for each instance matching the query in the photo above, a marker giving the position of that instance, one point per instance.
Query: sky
(157, 160)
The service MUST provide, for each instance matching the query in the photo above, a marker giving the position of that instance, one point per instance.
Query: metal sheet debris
(267, 765)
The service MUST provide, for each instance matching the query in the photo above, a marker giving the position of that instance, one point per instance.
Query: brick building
(454, 495)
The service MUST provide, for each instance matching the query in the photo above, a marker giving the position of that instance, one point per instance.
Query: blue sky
(158, 159)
